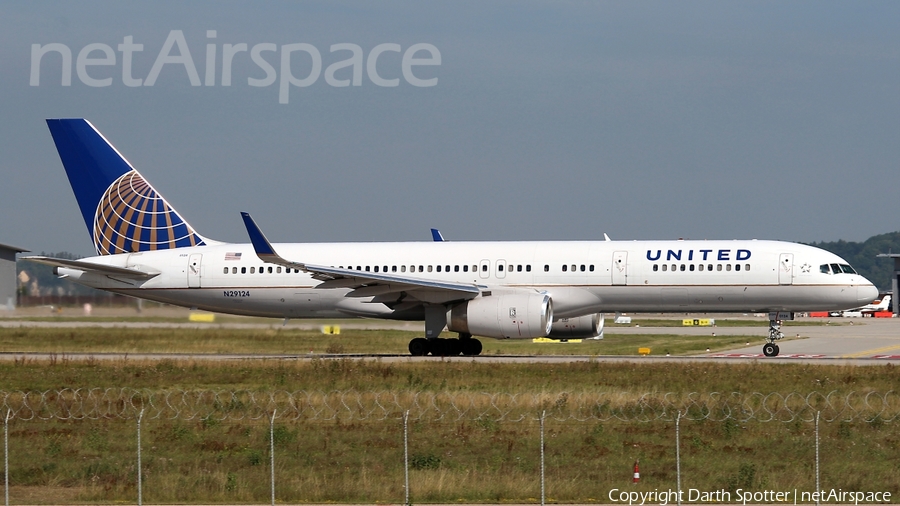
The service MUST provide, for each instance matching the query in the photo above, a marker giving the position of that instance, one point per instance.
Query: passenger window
(234, 270)
(674, 267)
(582, 267)
(719, 267)
(226, 270)
(546, 268)
(446, 268)
(737, 267)
(499, 267)
(700, 267)
(747, 267)
(519, 268)
(465, 268)
(243, 270)
(728, 267)
(591, 268)
(484, 268)
(692, 268)
(376, 268)
(682, 267)
(665, 267)
(655, 267)
(402, 268)
(421, 268)
(528, 268)
(565, 268)
(278, 270)
(253, 270)
(367, 268)
(384, 269)
(439, 268)
(429, 268)
(393, 268)
(573, 267)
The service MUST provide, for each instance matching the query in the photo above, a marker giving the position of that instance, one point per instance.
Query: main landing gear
(465, 345)
(770, 349)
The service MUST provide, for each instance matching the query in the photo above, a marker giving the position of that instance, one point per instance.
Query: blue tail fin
(122, 211)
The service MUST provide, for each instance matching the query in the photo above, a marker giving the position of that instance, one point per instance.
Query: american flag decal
(232, 256)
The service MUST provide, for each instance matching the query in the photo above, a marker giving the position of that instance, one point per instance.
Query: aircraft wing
(110, 270)
(365, 284)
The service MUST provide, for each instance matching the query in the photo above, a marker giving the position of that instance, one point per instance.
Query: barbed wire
(353, 405)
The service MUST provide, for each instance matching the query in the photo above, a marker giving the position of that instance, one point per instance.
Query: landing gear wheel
(770, 350)
(418, 347)
(439, 347)
(471, 347)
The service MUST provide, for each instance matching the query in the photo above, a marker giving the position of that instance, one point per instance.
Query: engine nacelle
(587, 326)
(501, 316)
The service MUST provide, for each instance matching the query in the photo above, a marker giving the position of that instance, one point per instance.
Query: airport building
(895, 280)
(8, 283)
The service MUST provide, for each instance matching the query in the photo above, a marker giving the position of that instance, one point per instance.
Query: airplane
(516, 289)
(868, 310)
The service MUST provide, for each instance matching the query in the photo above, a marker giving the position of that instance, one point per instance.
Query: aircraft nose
(866, 293)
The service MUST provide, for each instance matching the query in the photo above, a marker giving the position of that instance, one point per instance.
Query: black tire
(471, 347)
(777, 350)
(453, 347)
(418, 347)
(770, 350)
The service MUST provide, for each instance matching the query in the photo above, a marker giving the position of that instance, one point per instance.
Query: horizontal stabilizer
(110, 270)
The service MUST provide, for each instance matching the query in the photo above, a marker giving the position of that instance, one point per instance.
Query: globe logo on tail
(131, 216)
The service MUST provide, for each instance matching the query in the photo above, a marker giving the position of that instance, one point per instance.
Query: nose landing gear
(770, 349)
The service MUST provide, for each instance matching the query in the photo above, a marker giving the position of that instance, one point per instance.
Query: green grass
(211, 461)
(289, 340)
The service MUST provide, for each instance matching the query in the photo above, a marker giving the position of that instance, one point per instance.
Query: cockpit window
(847, 269)
(824, 269)
(835, 268)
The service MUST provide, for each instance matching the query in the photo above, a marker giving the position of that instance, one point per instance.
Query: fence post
(139, 479)
(406, 456)
(272, 452)
(817, 458)
(678, 454)
(543, 496)
(6, 456)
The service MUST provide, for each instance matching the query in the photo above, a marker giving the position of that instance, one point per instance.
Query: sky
(505, 121)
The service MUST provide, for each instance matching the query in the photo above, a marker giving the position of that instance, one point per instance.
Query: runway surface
(868, 341)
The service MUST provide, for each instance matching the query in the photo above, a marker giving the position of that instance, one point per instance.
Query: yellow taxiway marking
(872, 352)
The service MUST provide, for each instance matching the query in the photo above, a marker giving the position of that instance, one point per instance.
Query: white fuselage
(581, 277)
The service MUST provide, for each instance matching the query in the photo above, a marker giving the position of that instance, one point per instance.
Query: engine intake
(503, 316)
(587, 326)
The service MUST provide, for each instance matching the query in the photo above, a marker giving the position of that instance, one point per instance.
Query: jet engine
(584, 327)
(502, 316)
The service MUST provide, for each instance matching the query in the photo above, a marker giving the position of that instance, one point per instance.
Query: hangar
(8, 275)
